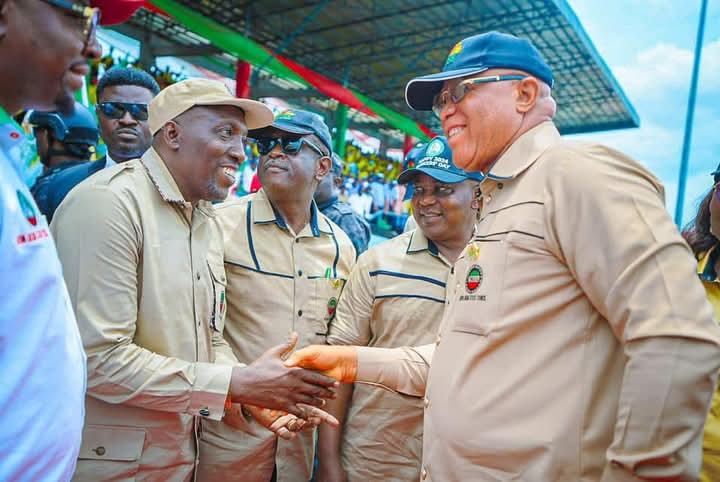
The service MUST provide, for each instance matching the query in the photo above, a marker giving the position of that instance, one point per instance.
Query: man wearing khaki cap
(142, 258)
(577, 344)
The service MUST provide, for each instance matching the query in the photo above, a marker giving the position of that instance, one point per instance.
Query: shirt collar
(419, 242)
(14, 143)
(165, 183)
(109, 161)
(263, 212)
(524, 151)
(706, 265)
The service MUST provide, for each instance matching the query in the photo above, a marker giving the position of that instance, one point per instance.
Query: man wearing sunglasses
(44, 51)
(123, 95)
(577, 343)
(286, 265)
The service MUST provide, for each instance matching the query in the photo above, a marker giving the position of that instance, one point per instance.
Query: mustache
(275, 163)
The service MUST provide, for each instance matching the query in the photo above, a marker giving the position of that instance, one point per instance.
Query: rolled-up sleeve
(641, 277)
(99, 243)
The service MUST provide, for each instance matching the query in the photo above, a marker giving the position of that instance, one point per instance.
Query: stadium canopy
(373, 47)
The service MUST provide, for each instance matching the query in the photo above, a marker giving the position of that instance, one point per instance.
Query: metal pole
(682, 177)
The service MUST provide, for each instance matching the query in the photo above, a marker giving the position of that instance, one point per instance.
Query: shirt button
(500, 185)
(488, 198)
(99, 450)
(297, 240)
(426, 402)
(198, 275)
(299, 272)
(204, 412)
(299, 312)
(424, 473)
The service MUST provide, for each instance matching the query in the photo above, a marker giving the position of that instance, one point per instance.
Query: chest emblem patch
(474, 278)
(331, 305)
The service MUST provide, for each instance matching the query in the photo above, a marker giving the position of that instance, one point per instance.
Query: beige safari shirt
(145, 276)
(395, 297)
(278, 282)
(577, 344)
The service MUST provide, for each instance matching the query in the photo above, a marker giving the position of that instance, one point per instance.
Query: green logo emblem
(435, 148)
(332, 304)
(454, 53)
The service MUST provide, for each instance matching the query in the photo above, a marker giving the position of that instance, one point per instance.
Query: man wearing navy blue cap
(395, 296)
(577, 343)
(286, 264)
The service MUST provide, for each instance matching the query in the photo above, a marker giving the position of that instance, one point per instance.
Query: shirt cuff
(210, 391)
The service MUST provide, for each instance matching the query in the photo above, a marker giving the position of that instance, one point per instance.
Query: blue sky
(649, 46)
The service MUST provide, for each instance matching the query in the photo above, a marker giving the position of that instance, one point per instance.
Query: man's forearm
(403, 370)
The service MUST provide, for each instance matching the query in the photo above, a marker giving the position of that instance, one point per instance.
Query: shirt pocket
(326, 293)
(476, 303)
(219, 297)
(110, 452)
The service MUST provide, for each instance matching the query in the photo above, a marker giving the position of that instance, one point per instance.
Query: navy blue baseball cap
(296, 121)
(435, 160)
(476, 54)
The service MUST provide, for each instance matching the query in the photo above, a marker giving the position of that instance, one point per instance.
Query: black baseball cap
(476, 54)
(296, 121)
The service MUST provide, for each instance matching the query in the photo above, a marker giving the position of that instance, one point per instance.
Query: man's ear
(527, 91)
(323, 167)
(171, 134)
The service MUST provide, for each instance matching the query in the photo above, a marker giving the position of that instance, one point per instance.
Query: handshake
(285, 396)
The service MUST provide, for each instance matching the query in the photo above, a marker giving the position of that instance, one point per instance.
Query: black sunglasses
(90, 16)
(116, 110)
(288, 145)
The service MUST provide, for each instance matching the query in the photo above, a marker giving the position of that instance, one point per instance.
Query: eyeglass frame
(283, 141)
(437, 108)
(90, 14)
(125, 109)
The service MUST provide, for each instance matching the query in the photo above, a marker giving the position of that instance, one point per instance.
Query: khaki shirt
(145, 276)
(276, 284)
(395, 297)
(577, 344)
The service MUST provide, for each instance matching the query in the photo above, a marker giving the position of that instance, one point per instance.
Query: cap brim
(257, 114)
(437, 174)
(419, 92)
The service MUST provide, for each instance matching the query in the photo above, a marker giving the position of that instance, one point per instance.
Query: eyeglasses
(459, 91)
(289, 146)
(90, 15)
(116, 110)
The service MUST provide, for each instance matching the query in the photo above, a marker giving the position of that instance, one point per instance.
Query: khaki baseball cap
(177, 98)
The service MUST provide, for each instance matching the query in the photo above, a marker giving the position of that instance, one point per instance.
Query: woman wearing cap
(703, 236)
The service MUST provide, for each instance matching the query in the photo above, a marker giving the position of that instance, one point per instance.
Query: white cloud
(667, 66)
